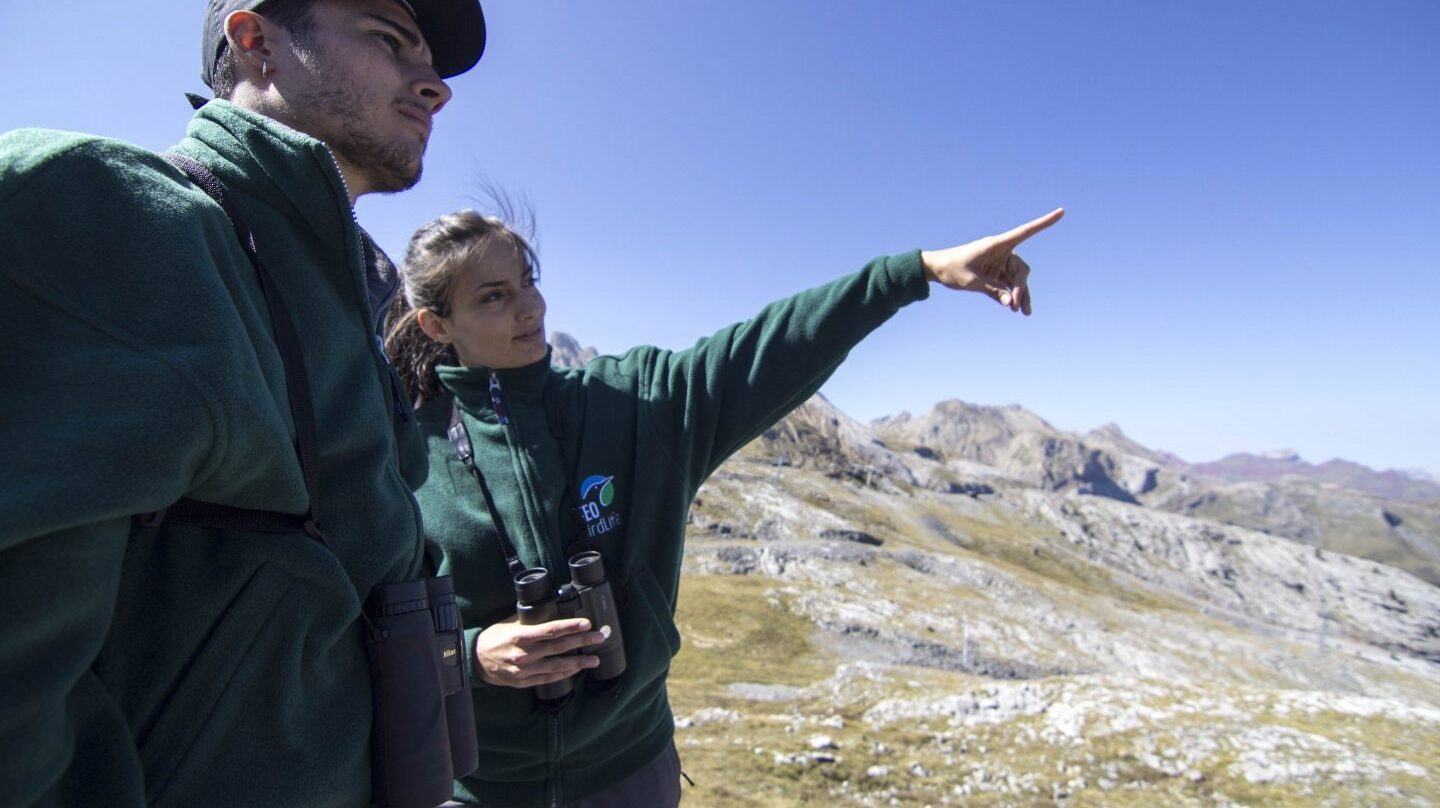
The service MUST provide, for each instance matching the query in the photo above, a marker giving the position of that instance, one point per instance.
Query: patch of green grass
(1417, 743)
(732, 633)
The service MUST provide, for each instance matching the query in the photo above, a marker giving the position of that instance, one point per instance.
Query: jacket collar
(471, 385)
(284, 168)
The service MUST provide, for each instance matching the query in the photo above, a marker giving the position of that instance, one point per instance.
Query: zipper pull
(496, 401)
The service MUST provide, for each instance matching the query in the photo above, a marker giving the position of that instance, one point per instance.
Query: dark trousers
(655, 786)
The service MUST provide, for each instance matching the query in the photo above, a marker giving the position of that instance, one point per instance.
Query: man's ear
(245, 31)
(434, 326)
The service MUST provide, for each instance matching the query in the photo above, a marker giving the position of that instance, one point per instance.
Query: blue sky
(1247, 262)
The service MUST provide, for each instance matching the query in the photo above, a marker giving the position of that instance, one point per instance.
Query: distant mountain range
(1392, 484)
(1338, 505)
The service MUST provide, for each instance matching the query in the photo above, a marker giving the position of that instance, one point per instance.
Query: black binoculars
(588, 595)
(424, 732)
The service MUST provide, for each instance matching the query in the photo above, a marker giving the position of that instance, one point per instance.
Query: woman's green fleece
(629, 440)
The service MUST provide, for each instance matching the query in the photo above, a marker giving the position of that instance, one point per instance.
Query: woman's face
(497, 315)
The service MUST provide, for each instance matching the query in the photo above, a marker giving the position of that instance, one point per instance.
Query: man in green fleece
(189, 659)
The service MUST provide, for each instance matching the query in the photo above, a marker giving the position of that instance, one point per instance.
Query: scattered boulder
(858, 536)
(823, 742)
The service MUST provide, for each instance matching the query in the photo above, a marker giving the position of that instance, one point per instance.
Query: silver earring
(264, 69)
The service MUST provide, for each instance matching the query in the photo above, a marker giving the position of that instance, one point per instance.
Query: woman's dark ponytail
(414, 354)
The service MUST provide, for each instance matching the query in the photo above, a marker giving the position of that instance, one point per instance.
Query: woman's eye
(491, 297)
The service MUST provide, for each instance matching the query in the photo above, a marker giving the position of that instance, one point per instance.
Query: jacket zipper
(552, 785)
(497, 402)
(502, 414)
(375, 320)
(358, 243)
(354, 220)
(552, 736)
(378, 346)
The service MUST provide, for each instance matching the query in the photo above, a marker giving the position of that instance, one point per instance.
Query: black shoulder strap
(297, 382)
(465, 450)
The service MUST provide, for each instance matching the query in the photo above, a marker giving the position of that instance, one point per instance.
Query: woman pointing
(604, 459)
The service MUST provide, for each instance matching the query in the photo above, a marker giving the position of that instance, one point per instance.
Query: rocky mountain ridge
(1338, 505)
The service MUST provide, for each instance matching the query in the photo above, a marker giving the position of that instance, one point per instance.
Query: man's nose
(432, 90)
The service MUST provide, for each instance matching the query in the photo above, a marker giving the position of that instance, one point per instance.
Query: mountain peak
(566, 351)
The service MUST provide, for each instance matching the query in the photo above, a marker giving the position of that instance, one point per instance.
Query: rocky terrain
(974, 608)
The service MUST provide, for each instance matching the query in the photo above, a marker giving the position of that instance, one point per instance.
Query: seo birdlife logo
(597, 493)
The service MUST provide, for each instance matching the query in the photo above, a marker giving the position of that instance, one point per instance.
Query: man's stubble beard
(389, 166)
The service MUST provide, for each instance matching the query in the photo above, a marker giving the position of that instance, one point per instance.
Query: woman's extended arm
(708, 401)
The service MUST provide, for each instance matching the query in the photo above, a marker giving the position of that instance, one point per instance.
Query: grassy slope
(738, 631)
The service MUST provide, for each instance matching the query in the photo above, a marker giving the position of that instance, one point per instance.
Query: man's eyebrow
(411, 37)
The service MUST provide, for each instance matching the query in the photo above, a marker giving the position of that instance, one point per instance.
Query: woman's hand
(511, 655)
(990, 265)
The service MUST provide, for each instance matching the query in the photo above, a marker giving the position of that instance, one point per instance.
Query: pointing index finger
(1030, 228)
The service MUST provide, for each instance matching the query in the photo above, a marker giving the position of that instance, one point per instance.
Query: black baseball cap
(454, 30)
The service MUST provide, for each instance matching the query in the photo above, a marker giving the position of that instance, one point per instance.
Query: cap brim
(455, 32)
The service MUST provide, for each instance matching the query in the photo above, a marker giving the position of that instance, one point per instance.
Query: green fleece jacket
(627, 440)
(183, 666)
